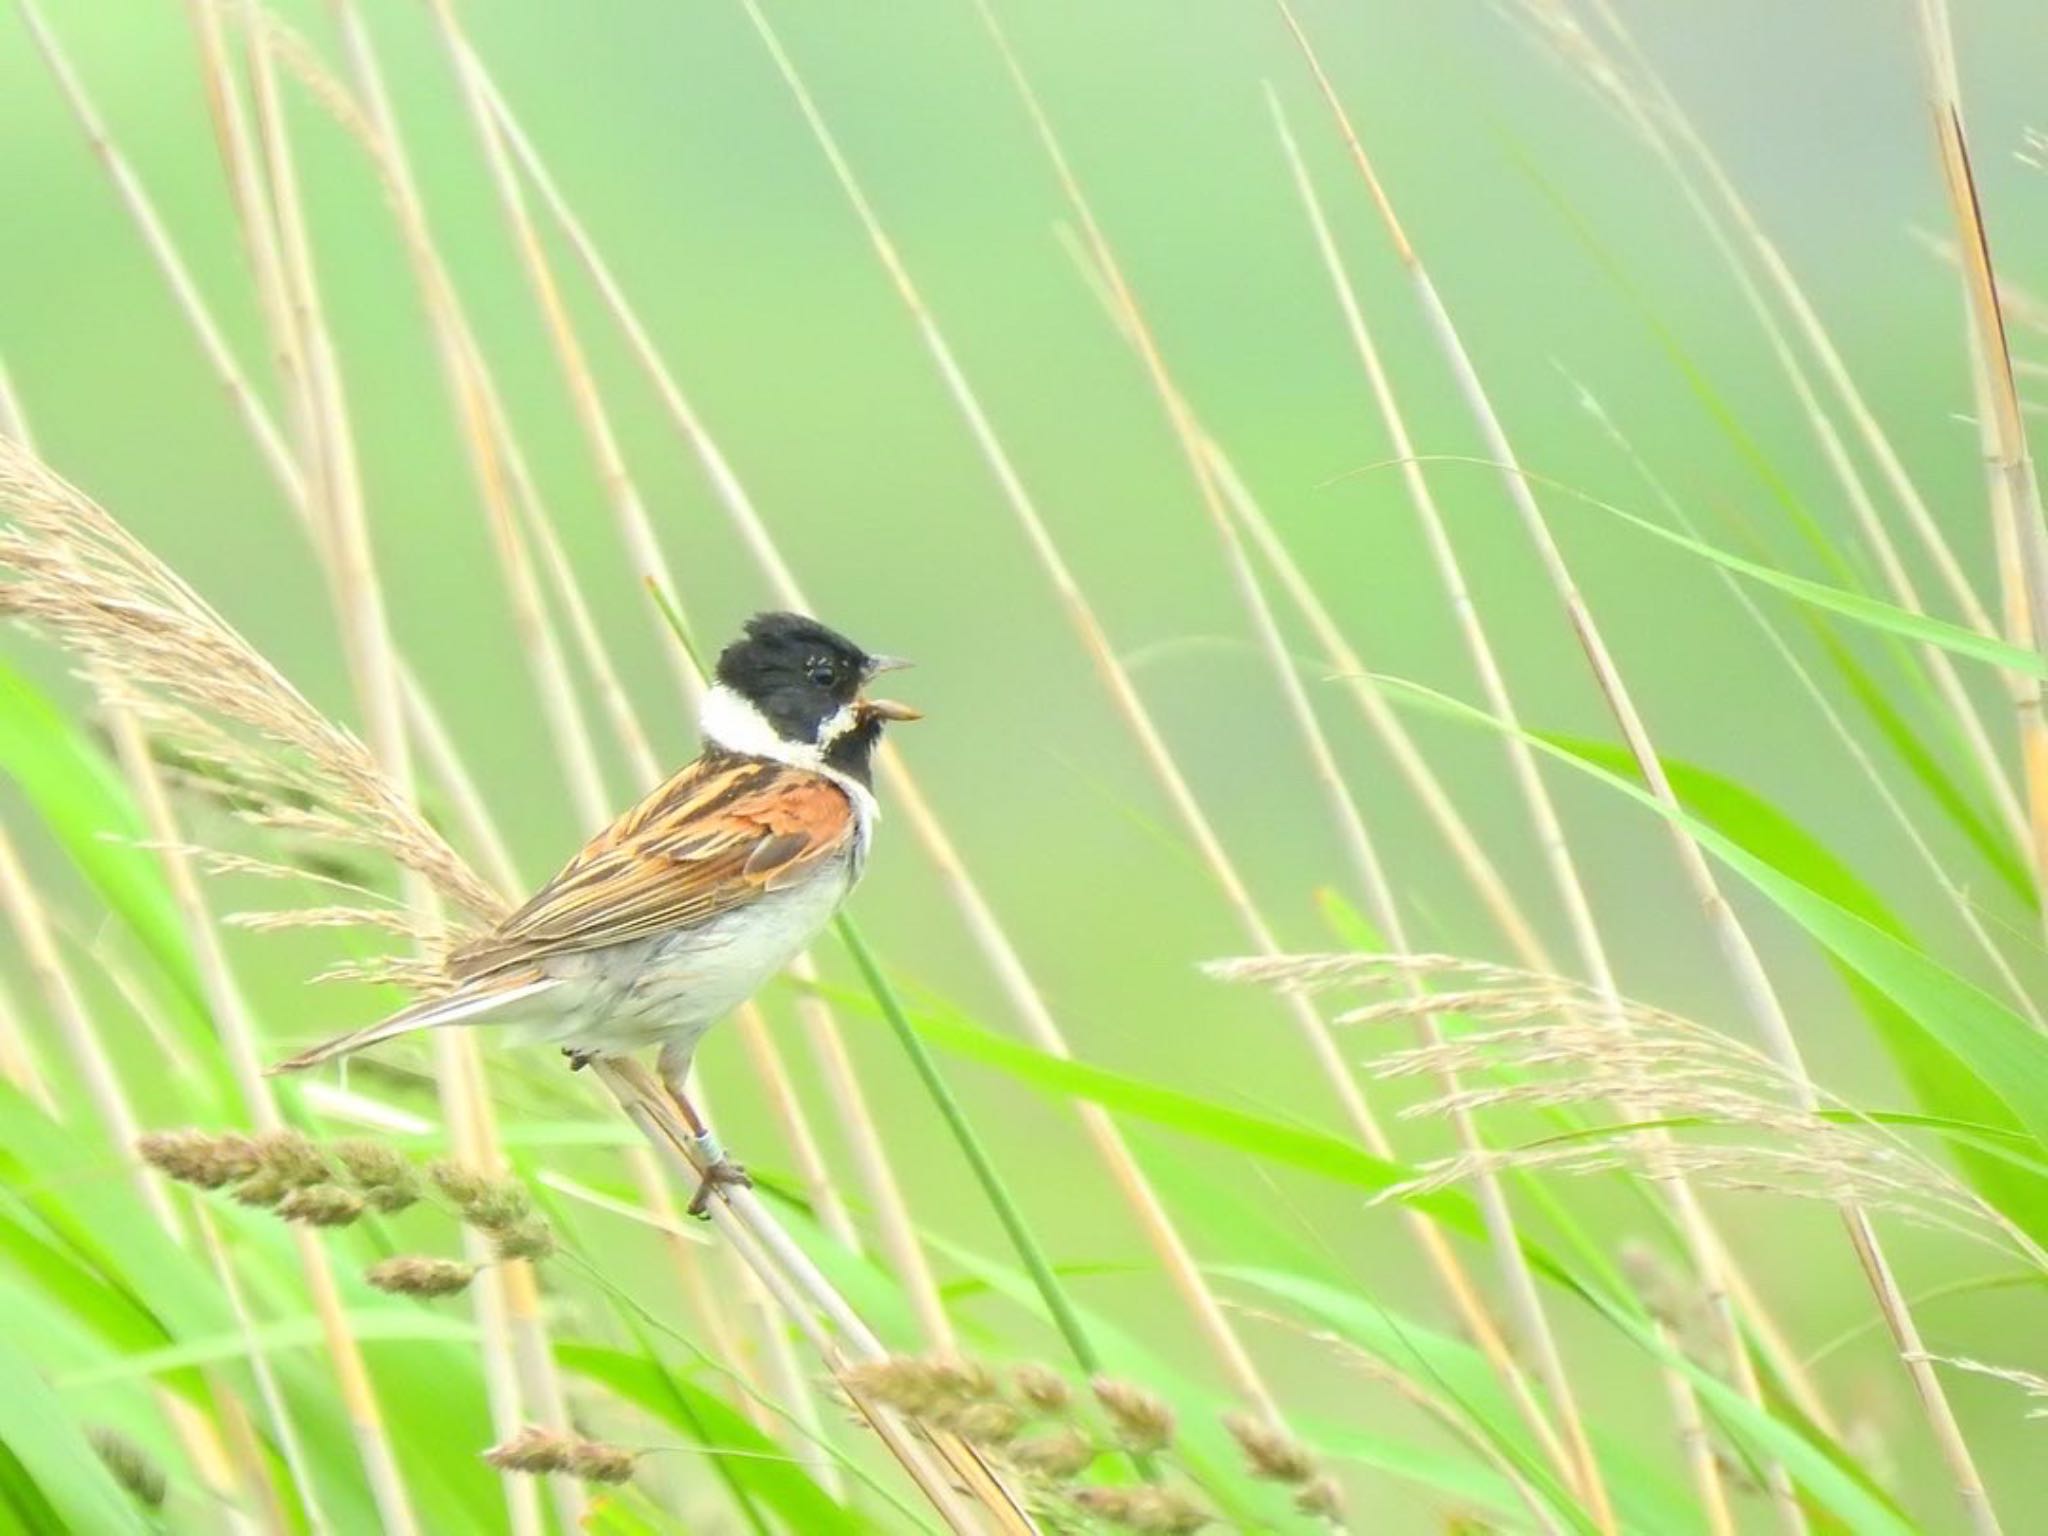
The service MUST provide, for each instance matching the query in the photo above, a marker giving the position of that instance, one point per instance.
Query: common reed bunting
(681, 909)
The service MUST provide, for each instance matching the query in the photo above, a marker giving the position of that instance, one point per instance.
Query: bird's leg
(716, 1170)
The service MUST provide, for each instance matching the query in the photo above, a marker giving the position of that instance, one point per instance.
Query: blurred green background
(667, 127)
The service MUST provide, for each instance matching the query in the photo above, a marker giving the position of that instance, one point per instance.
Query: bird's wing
(722, 832)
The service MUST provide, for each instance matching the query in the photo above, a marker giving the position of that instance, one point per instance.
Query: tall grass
(453, 1289)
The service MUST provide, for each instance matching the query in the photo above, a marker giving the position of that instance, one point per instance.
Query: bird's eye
(823, 674)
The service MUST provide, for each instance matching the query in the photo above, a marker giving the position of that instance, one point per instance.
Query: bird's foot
(579, 1059)
(720, 1174)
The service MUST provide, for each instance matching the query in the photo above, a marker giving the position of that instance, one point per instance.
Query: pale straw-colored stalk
(506, 484)
(1574, 1456)
(2014, 491)
(103, 1083)
(270, 443)
(518, 1360)
(1707, 1252)
(295, 489)
(82, 578)
(1738, 952)
(835, 1331)
(1651, 110)
(1838, 727)
(907, 798)
(898, 1231)
(1444, 1260)
(237, 1033)
(635, 526)
(616, 479)
(811, 1166)
(18, 1057)
(95, 1067)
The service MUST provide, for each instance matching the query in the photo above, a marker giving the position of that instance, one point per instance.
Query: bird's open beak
(889, 709)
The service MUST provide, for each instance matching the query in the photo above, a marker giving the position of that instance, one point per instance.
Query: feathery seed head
(1164, 1511)
(412, 1274)
(130, 1465)
(321, 1205)
(194, 1157)
(1271, 1453)
(538, 1451)
(1142, 1421)
(1043, 1388)
(1058, 1456)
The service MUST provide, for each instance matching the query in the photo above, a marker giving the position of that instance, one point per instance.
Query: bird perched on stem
(682, 908)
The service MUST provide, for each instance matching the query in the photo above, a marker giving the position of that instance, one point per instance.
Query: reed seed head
(130, 1465)
(197, 1158)
(1143, 1423)
(321, 1205)
(1321, 1499)
(261, 1188)
(1271, 1453)
(384, 1176)
(985, 1424)
(536, 1452)
(1165, 1511)
(412, 1274)
(931, 1386)
(293, 1158)
(1060, 1455)
(530, 1238)
(1042, 1388)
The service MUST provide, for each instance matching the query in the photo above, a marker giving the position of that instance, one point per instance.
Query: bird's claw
(720, 1174)
(578, 1059)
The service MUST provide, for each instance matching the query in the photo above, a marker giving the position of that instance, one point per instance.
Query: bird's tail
(456, 1008)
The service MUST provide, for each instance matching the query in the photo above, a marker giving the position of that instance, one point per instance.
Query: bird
(691, 901)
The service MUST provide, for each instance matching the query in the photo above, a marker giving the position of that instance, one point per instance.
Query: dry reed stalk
(1650, 109)
(496, 453)
(518, 1362)
(295, 490)
(635, 526)
(18, 1058)
(1574, 1455)
(78, 575)
(1966, 909)
(237, 1031)
(24, 907)
(121, 1123)
(270, 444)
(1745, 965)
(809, 1299)
(811, 1166)
(2015, 493)
(1706, 1249)
(900, 1241)
(698, 1287)
(444, 763)
(1443, 1259)
(491, 449)
(983, 925)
